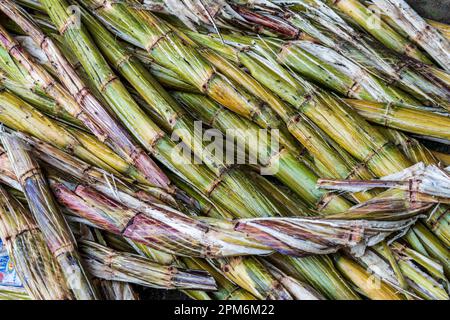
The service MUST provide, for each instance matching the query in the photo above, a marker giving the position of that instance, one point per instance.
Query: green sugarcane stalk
(370, 286)
(374, 25)
(36, 266)
(41, 102)
(227, 290)
(433, 247)
(55, 230)
(403, 118)
(19, 115)
(428, 289)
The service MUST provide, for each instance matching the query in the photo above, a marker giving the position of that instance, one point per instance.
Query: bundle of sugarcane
(261, 208)
(145, 222)
(97, 220)
(357, 208)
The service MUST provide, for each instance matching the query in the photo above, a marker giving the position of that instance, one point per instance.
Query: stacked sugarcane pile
(117, 120)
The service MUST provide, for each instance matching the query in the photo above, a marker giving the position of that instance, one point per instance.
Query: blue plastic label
(8, 274)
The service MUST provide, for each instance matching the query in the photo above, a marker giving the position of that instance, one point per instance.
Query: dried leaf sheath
(81, 102)
(38, 269)
(56, 232)
(418, 180)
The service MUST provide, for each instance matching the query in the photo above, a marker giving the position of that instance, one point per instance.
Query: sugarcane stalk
(428, 288)
(433, 247)
(434, 268)
(434, 43)
(384, 247)
(374, 25)
(41, 102)
(367, 283)
(439, 26)
(19, 115)
(81, 103)
(108, 264)
(55, 230)
(403, 118)
(298, 289)
(7, 293)
(35, 264)
(227, 290)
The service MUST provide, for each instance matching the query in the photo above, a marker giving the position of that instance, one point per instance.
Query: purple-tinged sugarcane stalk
(48, 216)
